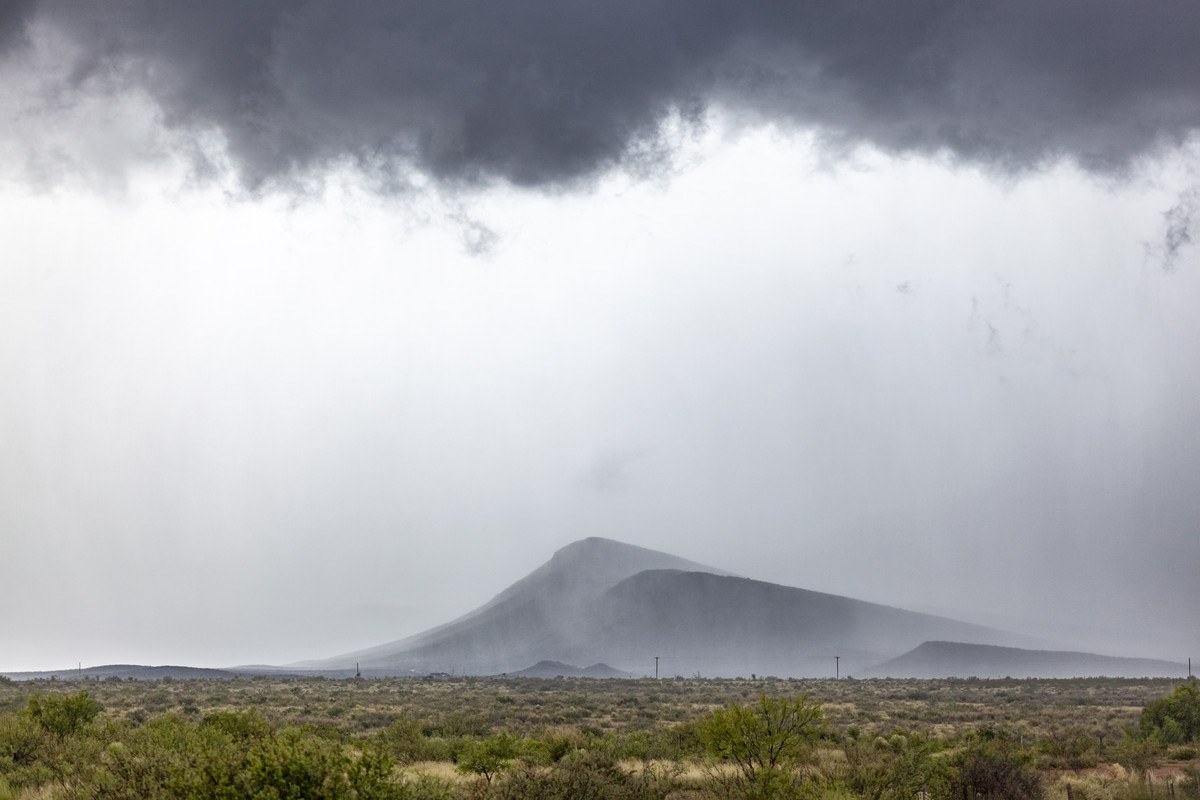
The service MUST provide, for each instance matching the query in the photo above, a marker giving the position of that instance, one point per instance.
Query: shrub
(489, 757)
(292, 765)
(992, 770)
(63, 714)
(771, 734)
(1073, 749)
(241, 726)
(170, 758)
(406, 741)
(1174, 719)
(591, 776)
(879, 770)
(20, 741)
(1139, 754)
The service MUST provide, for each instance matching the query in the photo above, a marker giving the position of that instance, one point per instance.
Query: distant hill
(557, 669)
(126, 672)
(599, 600)
(959, 660)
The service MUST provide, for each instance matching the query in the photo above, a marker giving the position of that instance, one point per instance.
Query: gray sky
(322, 322)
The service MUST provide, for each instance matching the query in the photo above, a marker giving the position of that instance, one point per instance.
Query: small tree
(773, 734)
(489, 757)
(1173, 719)
(63, 714)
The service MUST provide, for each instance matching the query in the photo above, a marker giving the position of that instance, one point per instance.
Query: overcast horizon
(323, 323)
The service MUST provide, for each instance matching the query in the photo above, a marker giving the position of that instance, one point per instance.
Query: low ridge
(960, 660)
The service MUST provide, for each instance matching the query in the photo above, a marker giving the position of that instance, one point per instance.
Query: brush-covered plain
(1085, 739)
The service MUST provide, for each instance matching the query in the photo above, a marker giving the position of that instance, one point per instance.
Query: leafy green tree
(489, 757)
(1173, 719)
(64, 714)
(770, 735)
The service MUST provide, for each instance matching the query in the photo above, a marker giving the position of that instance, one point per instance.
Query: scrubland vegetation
(460, 738)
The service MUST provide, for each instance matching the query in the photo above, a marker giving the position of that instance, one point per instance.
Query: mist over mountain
(537, 618)
(601, 601)
(725, 625)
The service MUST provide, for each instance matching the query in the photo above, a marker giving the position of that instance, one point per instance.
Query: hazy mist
(321, 323)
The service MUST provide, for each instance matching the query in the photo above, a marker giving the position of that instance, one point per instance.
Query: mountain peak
(586, 568)
(601, 547)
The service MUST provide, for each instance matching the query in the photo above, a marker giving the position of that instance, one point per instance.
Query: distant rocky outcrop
(960, 660)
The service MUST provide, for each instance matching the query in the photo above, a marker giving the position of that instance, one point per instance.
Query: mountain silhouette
(958, 660)
(603, 601)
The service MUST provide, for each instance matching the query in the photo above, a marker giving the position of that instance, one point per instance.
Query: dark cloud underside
(548, 93)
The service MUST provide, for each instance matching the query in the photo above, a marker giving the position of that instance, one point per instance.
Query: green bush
(20, 741)
(292, 766)
(896, 768)
(1174, 719)
(241, 726)
(489, 757)
(235, 756)
(772, 734)
(405, 740)
(63, 714)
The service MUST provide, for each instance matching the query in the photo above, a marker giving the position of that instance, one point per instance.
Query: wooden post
(1070, 796)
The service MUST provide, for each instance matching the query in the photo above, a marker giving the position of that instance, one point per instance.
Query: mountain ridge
(598, 600)
(939, 659)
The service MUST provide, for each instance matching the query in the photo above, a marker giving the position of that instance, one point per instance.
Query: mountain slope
(537, 618)
(959, 660)
(725, 625)
(598, 600)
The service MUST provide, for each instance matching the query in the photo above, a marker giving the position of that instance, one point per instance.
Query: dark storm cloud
(14, 15)
(548, 93)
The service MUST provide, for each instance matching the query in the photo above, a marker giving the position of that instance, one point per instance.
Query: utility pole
(656, 667)
(837, 668)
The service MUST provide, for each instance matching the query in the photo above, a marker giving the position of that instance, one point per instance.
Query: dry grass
(442, 770)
